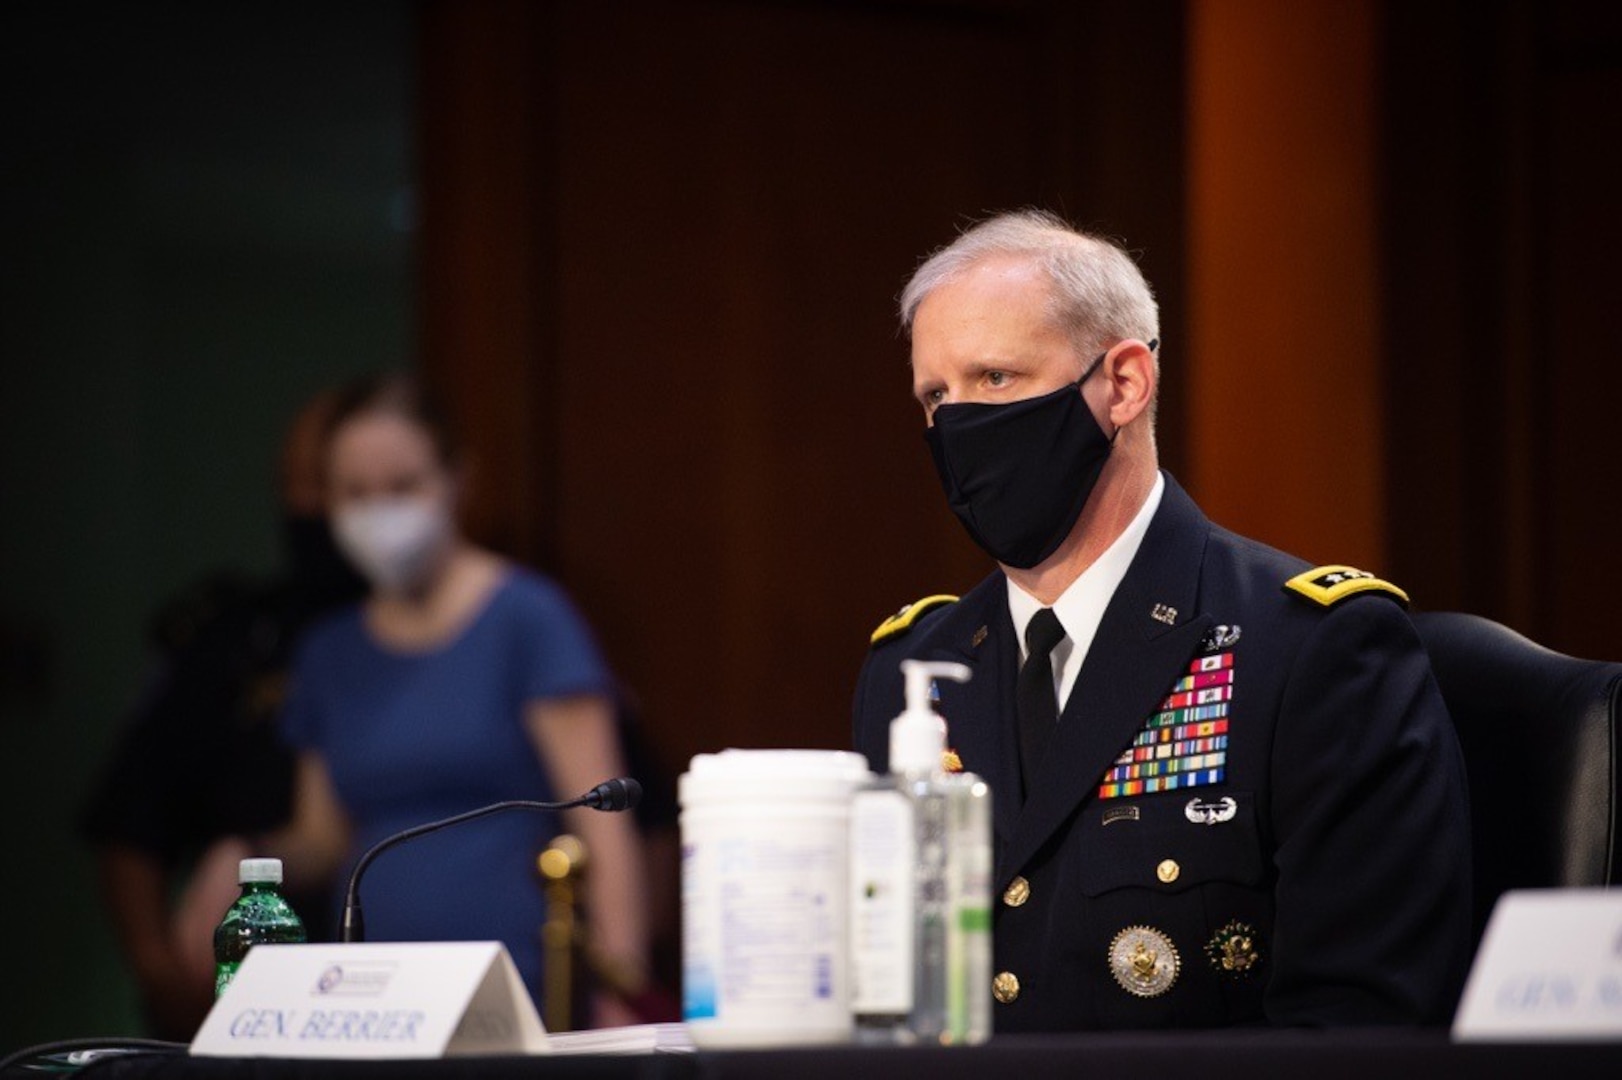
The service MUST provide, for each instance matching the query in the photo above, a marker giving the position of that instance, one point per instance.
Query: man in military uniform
(1226, 790)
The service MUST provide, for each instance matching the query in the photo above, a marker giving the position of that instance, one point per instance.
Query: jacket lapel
(1134, 659)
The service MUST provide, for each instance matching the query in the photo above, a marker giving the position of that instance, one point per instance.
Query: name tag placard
(380, 1000)
(1549, 967)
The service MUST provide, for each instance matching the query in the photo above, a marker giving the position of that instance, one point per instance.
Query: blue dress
(411, 737)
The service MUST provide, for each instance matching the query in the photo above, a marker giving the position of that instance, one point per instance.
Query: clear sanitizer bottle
(920, 886)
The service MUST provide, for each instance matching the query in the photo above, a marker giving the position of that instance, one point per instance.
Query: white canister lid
(789, 775)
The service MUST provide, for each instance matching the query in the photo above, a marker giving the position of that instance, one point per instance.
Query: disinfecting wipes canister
(765, 872)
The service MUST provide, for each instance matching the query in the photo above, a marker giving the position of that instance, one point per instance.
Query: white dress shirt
(1080, 607)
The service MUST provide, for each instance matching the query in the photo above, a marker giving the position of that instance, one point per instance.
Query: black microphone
(613, 795)
(622, 793)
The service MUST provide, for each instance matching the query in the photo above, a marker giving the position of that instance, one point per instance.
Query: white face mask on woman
(393, 541)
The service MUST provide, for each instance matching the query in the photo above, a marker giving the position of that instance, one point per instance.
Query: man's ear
(1130, 379)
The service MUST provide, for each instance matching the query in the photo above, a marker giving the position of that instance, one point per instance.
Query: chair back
(1539, 731)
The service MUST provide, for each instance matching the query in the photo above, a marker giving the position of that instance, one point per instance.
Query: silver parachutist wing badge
(1210, 813)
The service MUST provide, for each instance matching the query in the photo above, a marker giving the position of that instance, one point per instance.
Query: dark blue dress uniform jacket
(1347, 855)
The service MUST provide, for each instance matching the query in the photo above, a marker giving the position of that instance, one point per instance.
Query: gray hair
(1099, 294)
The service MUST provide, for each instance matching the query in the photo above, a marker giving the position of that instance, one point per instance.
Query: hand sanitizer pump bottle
(920, 886)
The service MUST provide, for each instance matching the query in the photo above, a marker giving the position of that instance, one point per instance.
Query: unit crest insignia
(1234, 949)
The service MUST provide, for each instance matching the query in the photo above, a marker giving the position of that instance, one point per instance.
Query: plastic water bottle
(260, 916)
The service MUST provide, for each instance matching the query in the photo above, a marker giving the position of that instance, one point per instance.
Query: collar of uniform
(1081, 606)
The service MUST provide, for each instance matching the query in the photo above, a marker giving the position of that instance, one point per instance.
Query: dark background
(649, 251)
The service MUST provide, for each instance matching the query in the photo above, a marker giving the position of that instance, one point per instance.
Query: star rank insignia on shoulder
(902, 621)
(1329, 585)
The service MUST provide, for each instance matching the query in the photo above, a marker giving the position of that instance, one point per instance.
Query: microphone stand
(611, 795)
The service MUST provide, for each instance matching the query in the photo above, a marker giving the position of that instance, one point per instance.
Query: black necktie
(1034, 699)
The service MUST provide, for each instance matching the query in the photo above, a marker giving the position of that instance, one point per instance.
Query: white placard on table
(1549, 967)
(375, 1000)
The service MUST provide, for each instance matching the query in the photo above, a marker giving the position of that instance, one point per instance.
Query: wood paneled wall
(1503, 362)
(1285, 416)
(488, 259)
(661, 244)
(661, 248)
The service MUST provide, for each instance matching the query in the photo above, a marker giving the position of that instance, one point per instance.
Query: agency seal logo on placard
(355, 980)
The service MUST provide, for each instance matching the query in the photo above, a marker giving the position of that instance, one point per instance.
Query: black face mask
(317, 567)
(1018, 475)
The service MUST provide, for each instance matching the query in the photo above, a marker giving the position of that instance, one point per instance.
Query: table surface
(1209, 1055)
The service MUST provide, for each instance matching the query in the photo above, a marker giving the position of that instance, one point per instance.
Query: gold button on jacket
(1005, 987)
(1018, 891)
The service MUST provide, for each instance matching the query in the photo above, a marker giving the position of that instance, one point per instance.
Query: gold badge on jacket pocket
(1144, 961)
